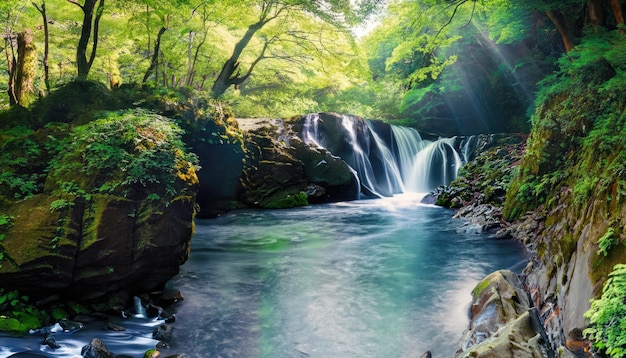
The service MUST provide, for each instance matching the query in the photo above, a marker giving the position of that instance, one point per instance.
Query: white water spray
(404, 163)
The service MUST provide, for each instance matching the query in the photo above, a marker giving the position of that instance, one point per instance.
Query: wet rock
(497, 300)
(50, 341)
(168, 317)
(70, 326)
(114, 327)
(96, 349)
(514, 340)
(272, 177)
(153, 310)
(502, 323)
(168, 298)
(162, 332)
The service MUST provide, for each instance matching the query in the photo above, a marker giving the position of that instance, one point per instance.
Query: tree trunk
(89, 8)
(595, 14)
(618, 14)
(46, 67)
(9, 52)
(558, 20)
(26, 70)
(155, 57)
(230, 75)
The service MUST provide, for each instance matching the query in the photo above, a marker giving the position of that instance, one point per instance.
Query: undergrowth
(579, 130)
(607, 315)
(133, 154)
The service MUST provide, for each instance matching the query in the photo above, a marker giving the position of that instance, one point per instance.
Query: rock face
(95, 247)
(280, 170)
(568, 195)
(566, 202)
(501, 323)
(115, 212)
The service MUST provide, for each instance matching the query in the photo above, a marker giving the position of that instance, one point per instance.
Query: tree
(89, 31)
(46, 67)
(334, 13)
(26, 69)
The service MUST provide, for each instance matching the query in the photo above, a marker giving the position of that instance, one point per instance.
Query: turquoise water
(377, 278)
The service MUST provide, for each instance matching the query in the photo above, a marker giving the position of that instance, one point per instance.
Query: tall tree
(335, 13)
(26, 68)
(92, 13)
(46, 68)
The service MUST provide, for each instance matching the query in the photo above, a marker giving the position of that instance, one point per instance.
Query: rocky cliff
(94, 202)
(566, 202)
(572, 178)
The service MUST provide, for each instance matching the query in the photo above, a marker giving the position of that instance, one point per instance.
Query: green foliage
(60, 205)
(607, 241)
(287, 201)
(578, 129)
(127, 153)
(17, 315)
(607, 315)
(5, 221)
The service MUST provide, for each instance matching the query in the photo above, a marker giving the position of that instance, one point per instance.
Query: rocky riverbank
(563, 198)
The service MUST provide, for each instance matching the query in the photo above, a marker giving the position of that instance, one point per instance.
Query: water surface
(376, 278)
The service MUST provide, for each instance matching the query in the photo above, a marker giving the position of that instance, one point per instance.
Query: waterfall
(388, 159)
(435, 165)
(139, 309)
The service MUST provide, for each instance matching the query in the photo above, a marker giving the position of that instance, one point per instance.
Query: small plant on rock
(607, 315)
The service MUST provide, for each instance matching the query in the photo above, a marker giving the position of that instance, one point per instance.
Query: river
(373, 278)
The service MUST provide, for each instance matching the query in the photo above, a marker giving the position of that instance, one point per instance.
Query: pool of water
(374, 278)
(377, 278)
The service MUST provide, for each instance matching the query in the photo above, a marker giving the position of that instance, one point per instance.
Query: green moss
(130, 154)
(481, 287)
(541, 249)
(286, 201)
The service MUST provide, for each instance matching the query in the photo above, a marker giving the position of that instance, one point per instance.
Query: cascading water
(388, 162)
(435, 165)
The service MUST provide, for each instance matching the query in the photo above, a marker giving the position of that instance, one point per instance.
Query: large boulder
(502, 323)
(115, 213)
(281, 171)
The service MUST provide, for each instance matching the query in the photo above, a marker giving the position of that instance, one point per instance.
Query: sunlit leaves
(608, 315)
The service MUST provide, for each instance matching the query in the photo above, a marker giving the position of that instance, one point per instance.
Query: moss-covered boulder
(501, 323)
(112, 211)
(73, 103)
(281, 171)
(272, 175)
(497, 300)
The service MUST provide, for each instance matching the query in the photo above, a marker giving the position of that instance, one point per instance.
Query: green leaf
(10, 324)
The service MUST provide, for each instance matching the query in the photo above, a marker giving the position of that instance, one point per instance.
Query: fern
(607, 315)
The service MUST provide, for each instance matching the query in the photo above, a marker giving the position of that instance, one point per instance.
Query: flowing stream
(375, 278)
(386, 277)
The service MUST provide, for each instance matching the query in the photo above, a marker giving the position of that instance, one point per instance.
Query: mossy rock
(132, 154)
(74, 102)
(286, 201)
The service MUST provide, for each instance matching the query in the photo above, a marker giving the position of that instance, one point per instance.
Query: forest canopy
(460, 66)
